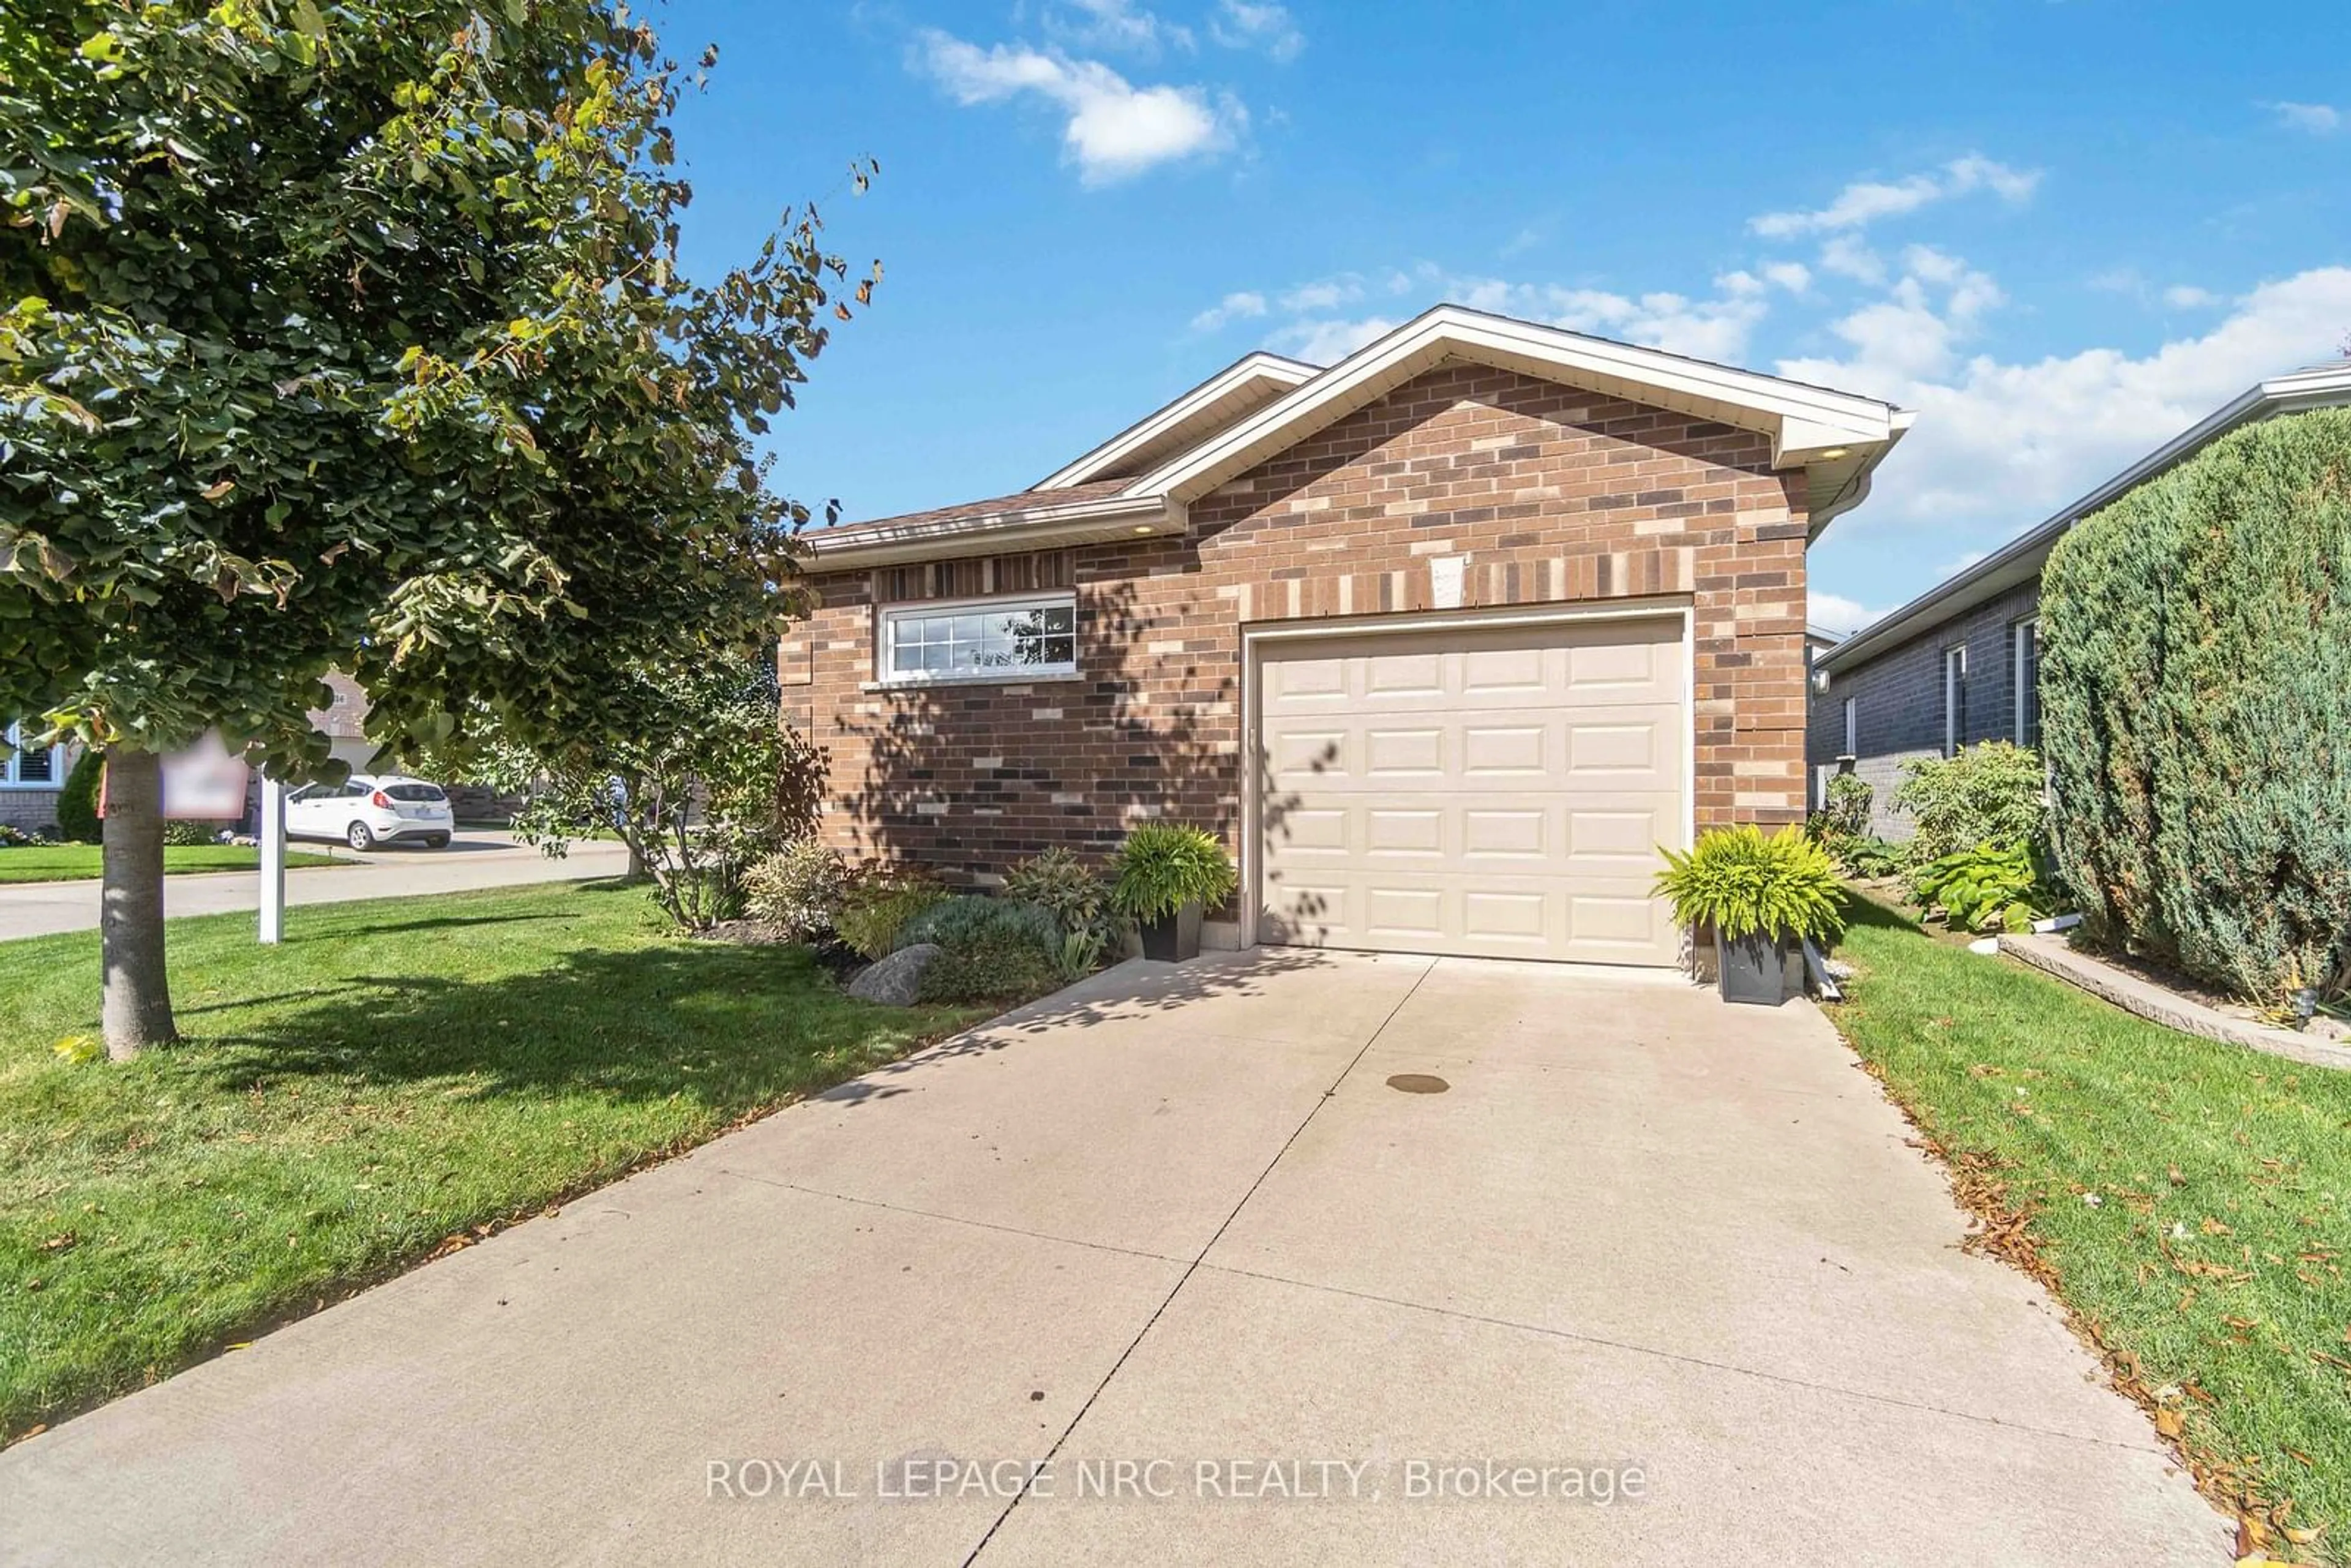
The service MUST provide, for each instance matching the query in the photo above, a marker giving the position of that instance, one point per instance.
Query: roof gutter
(990, 533)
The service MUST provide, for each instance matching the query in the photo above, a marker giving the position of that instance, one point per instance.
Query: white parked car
(370, 809)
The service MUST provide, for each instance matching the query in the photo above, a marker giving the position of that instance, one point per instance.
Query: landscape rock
(895, 981)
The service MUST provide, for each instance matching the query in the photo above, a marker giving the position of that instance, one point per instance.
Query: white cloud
(2188, 297)
(1865, 202)
(1265, 26)
(1792, 276)
(1328, 342)
(1847, 256)
(1115, 130)
(1235, 306)
(1327, 293)
(1707, 328)
(2318, 119)
(1835, 613)
(1115, 25)
(2000, 446)
(1519, 244)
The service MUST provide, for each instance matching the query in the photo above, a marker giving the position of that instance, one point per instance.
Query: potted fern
(1762, 896)
(1165, 876)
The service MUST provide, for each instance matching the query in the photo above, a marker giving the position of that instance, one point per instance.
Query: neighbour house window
(37, 767)
(991, 640)
(1851, 730)
(2025, 663)
(1955, 698)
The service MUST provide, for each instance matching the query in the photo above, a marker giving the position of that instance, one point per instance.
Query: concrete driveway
(476, 857)
(1176, 1237)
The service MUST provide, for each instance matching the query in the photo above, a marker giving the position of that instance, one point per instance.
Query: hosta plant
(1991, 885)
(1742, 883)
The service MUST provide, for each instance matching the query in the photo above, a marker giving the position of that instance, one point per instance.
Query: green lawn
(78, 863)
(396, 1073)
(2214, 1258)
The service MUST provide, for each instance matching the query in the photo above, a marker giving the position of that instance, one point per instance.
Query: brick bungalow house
(1444, 638)
(1961, 663)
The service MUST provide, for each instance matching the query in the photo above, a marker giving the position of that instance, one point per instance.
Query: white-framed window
(43, 767)
(2025, 667)
(1955, 698)
(979, 640)
(1851, 729)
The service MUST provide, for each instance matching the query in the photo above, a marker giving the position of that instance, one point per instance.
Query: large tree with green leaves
(353, 334)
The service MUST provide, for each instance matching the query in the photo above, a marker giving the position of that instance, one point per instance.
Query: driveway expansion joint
(1682, 1358)
(913, 1212)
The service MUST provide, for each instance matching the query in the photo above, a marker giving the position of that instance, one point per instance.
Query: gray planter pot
(1172, 938)
(1762, 969)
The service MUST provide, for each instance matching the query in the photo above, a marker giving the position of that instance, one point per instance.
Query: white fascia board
(1140, 435)
(1821, 418)
(990, 533)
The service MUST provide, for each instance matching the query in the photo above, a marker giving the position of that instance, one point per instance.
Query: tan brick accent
(1547, 493)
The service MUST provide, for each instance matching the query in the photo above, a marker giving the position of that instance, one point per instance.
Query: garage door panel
(1395, 752)
(1495, 791)
(1601, 838)
(1494, 749)
(1503, 832)
(1391, 831)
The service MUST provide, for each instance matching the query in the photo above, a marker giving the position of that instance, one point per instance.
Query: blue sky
(2061, 231)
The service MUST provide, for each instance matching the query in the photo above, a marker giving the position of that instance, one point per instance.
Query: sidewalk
(476, 858)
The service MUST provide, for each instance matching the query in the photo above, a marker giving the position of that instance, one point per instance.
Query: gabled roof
(1247, 383)
(1838, 436)
(1140, 480)
(2019, 561)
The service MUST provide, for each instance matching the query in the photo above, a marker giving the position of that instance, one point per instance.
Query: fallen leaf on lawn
(2214, 1227)
(63, 1241)
(2170, 1423)
(2177, 1179)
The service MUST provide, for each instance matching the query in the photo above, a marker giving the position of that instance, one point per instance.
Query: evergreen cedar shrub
(77, 801)
(2196, 707)
(1740, 883)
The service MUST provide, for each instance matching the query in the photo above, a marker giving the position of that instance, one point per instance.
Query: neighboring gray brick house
(1959, 665)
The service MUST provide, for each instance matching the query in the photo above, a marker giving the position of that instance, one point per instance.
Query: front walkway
(1179, 1228)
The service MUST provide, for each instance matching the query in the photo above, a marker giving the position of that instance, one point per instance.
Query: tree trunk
(138, 1008)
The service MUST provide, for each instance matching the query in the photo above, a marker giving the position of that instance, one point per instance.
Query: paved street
(1236, 1231)
(476, 858)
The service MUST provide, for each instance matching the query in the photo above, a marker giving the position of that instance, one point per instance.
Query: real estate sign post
(272, 859)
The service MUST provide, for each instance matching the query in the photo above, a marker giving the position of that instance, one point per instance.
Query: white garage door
(1488, 791)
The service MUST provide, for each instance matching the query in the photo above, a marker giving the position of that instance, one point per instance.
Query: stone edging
(2054, 956)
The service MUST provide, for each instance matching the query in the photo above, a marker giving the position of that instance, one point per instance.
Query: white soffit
(1806, 423)
(1229, 395)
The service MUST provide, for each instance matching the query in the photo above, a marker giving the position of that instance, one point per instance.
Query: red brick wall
(1552, 495)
